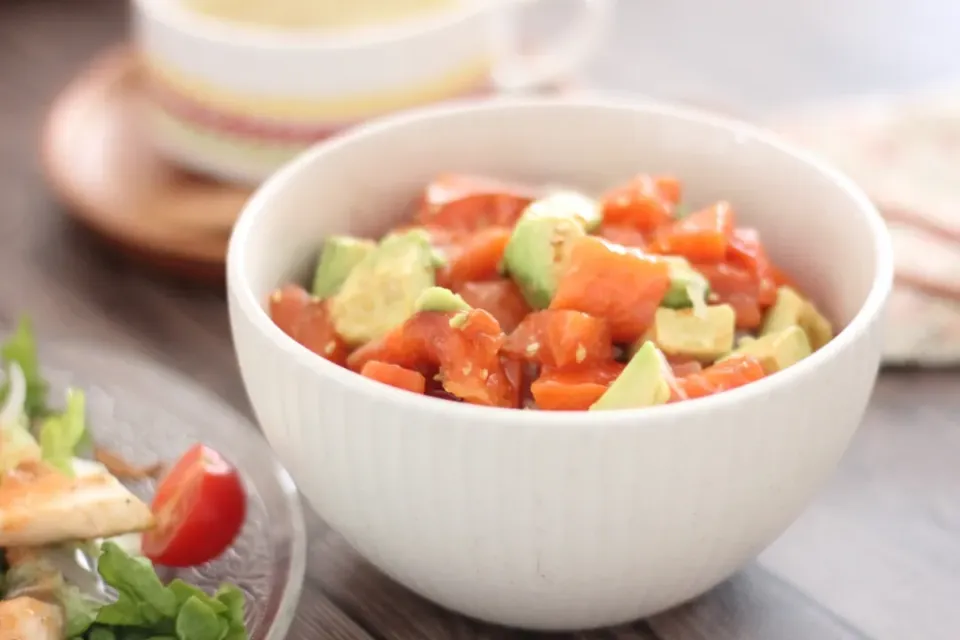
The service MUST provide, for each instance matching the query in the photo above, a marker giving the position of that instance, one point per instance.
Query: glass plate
(147, 414)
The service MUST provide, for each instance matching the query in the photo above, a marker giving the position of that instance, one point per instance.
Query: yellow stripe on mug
(467, 78)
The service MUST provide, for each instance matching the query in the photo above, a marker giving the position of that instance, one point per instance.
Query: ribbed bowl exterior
(527, 520)
(555, 528)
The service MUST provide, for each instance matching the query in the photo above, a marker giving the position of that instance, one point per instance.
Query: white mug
(236, 102)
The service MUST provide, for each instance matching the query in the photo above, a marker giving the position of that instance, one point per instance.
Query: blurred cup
(235, 101)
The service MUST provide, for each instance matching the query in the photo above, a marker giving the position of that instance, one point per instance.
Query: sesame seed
(581, 353)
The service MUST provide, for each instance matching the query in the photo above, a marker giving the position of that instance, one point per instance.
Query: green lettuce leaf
(233, 598)
(143, 600)
(184, 592)
(197, 621)
(62, 435)
(146, 608)
(21, 347)
(79, 610)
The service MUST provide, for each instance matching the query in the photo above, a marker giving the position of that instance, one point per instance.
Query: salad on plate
(79, 549)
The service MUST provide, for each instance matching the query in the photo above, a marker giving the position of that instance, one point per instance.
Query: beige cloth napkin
(906, 154)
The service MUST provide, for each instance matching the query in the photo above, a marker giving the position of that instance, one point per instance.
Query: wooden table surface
(877, 555)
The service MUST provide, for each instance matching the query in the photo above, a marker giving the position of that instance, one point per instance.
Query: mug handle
(515, 71)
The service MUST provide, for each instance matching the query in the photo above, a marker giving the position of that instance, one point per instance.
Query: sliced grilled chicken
(31, 574)
(26, 618)
(39, 505)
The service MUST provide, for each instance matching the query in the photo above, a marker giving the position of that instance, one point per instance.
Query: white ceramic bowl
(547, 520)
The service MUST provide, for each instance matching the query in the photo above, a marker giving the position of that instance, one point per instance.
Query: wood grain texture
(877, 557)
(882, 544)
(753, 604)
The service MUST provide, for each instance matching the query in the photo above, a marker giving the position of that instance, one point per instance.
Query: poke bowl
(585, 420)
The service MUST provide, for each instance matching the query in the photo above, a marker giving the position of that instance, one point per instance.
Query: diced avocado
(642, 383)
(459, 319)
(818, 329)
(704, 336)
(685, 284)
(440, 299)
(382, 289)
(437, 258)
(535, 254)
(568, 204)
(338, 257)
(636, 346)
(744, 340)
(777, 351)
(792, 309)
(784, 312)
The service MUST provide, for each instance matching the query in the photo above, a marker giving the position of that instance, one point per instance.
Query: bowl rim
(173, 15)
(241, 294)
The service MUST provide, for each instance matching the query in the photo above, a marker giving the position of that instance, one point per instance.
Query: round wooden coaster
(100, 164)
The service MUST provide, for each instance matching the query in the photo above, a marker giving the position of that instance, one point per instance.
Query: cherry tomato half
(199, 507)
